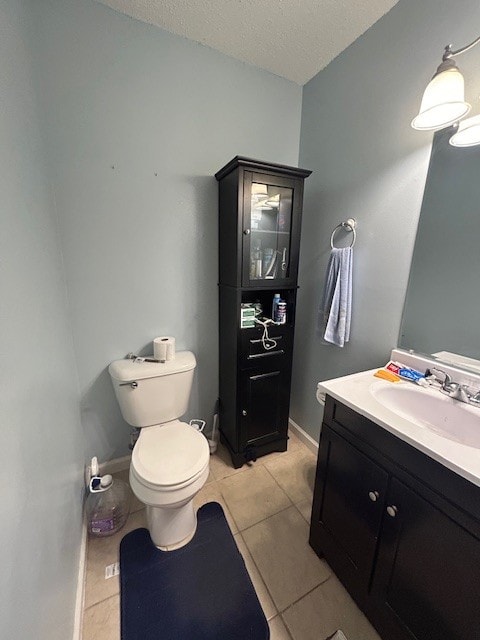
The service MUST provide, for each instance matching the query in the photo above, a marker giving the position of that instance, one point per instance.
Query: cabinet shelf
(270, 231)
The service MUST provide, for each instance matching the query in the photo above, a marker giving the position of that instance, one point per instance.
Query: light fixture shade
(467, 134)
(443, 102)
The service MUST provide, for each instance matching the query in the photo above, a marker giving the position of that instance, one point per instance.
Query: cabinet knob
(373, 495)
(392, 510)
(244, 412)
(246, 232)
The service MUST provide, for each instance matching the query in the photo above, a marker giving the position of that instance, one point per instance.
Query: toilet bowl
(170, 464)
(170, 459)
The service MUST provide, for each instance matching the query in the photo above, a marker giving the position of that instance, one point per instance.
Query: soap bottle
(276, 300)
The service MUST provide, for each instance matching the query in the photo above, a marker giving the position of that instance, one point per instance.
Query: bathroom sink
(430, 408)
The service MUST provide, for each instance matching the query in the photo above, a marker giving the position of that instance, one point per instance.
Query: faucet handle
(475, 399)
(444, 378)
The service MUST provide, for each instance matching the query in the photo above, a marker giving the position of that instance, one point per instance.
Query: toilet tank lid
(129, 370)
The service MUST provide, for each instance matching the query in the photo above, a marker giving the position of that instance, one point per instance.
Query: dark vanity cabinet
(401, 531)
(259, 237)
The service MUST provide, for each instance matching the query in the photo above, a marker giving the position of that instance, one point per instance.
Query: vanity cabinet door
(427, 577)
(349, 498)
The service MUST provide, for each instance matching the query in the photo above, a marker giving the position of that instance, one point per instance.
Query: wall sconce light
(443, 102)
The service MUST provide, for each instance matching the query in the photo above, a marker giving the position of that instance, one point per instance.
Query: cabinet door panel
(428, 571)
(347, 510)
(347, 520)
(271, 229)
(264, 412)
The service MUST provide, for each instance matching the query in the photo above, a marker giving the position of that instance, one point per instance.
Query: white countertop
(354, 392)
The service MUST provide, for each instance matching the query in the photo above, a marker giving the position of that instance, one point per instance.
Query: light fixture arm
(448, 53)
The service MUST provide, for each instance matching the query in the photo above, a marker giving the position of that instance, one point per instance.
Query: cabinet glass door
(268, 230)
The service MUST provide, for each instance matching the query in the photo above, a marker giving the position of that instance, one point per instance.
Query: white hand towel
(336, 308)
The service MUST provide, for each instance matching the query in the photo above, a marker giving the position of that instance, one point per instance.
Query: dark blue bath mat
(199, 592)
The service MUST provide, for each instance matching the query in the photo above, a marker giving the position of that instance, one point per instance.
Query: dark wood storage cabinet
(400, 530)
(259, 238)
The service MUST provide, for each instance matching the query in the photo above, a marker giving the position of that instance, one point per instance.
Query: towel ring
(349, 225)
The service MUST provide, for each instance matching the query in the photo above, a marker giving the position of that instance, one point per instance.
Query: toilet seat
(169, 456)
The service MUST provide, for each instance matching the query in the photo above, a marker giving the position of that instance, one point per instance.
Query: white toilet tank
(153, 392)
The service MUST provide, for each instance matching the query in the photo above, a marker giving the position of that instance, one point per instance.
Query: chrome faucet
(475, 400)
(440, 376)
(458, 391)
(455, 390)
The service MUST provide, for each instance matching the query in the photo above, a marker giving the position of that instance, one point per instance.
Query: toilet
(170, 459)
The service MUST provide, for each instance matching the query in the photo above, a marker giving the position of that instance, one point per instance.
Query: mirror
(442, 303)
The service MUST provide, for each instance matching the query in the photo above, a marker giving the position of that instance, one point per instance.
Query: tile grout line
(272, 514)
(286, 627)
(280, 612)
(240, 533)
(305, 595)
(267, 518)
(291, 499)
(230, 512)
(89, 541)
(113, 595)
(260, 574)
(296, 507)
(250, 526)
(281, 488)
(217, 483)
(261, 461)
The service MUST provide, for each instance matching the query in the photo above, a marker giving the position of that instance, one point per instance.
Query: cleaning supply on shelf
(108, 503)
(280, 316)
(276, 300)
(247, 315)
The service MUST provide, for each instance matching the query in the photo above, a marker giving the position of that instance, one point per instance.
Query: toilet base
(171, 528)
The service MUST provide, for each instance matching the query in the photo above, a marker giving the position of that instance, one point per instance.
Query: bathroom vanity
(396, 513)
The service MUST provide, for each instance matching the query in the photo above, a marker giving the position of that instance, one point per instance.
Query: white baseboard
(302, 435)
(80, 598)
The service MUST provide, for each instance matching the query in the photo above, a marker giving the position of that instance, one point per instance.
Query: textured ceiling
(293, 38)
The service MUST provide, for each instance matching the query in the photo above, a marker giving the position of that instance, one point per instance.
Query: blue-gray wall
(139, 250)
(140, 239)
(369, 164)
(42, 442)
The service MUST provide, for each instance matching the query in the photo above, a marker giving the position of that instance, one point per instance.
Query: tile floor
(268, 508)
